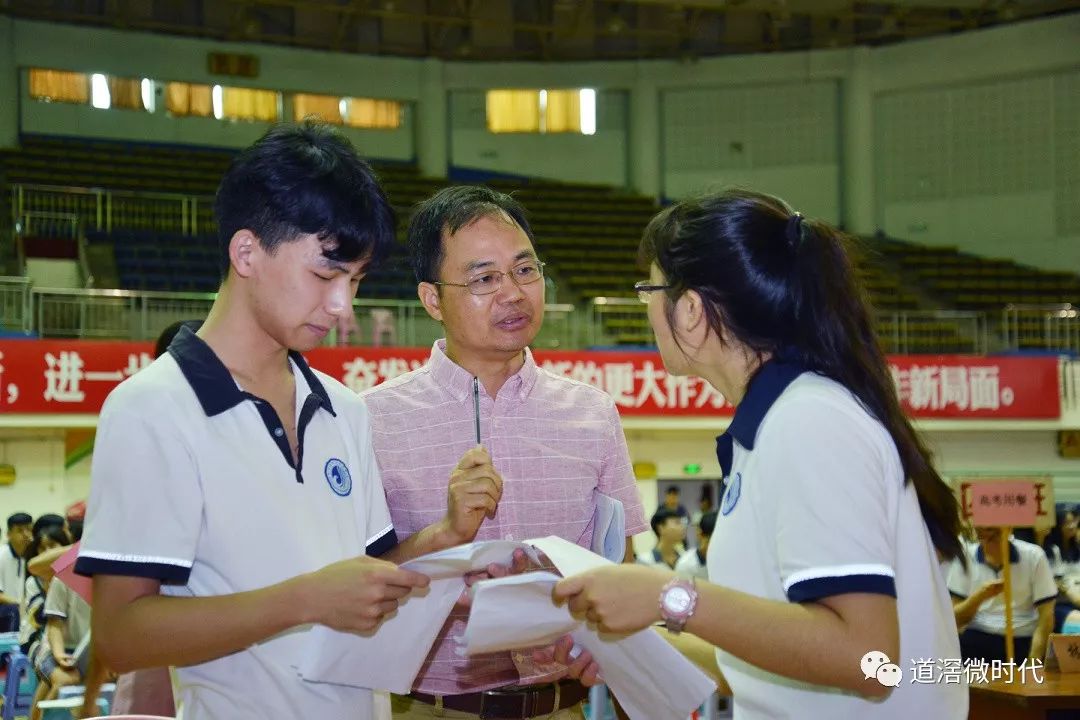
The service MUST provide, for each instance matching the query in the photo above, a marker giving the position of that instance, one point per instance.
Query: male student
(235, 497)
(557, 442)
(692, 563)
(13, 569)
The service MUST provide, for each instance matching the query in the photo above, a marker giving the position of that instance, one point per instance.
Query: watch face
(677, 600)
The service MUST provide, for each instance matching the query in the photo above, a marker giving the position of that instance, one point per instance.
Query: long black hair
(774, 282)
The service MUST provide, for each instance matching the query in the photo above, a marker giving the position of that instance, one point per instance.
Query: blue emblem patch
(731, 497)
(338, 476)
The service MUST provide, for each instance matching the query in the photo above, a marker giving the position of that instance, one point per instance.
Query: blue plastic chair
(19, 687)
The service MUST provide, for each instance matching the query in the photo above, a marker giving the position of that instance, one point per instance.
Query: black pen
(476, 406)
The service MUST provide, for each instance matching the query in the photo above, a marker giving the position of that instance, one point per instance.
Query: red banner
(74, 376)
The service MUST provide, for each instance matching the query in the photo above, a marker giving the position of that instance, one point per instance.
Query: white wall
(993, 168)
(782, 139)
(9, 85)
(599, 158)
(170, 58)
(41, 484)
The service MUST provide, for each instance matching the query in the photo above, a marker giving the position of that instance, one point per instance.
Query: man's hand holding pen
(474, 494)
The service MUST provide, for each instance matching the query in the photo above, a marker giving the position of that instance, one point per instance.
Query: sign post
(1004, 504)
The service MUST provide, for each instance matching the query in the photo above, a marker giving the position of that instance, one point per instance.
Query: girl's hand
(616, 599)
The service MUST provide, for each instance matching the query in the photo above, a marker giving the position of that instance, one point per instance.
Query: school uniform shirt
(63, 603)
(1032, 585)
(193, 483)
(12, 573)
(816, 505)
(692, 565)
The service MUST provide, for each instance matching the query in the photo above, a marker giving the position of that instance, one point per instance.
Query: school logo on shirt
(731, 497)
(338, 476)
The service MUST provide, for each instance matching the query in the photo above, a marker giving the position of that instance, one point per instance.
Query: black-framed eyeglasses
(643, 289)
(524, 273)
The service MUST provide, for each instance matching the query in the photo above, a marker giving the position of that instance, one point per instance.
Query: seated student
(978, 600)
(692, 563)
(670, 533)
(13, 570)
(33, 603)
(68, 622)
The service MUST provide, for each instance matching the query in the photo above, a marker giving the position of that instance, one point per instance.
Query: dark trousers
(9, 618)
(988, 646)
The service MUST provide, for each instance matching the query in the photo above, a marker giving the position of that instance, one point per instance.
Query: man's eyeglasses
(524, 273)
(643, 289)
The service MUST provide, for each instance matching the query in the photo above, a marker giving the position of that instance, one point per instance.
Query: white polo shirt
(815, 505)
(12, 573)
(1032, 585)
(193, 483)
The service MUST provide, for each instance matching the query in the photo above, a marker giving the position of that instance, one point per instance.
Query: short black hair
(19, 518)
(305, 178)
(47, 521)
(166, 338)
(673, 489)
(446, 212)
(707, 523)
(56, 533)
(660, 517)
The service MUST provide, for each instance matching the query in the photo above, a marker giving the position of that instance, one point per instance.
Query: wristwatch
(678, 600)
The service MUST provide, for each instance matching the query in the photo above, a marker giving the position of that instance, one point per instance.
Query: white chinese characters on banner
(361, 374)
(939, 387)
(638, 387)
(12, 389)
(65, 373)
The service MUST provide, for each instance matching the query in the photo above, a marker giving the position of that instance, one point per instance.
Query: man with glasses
(556, 443)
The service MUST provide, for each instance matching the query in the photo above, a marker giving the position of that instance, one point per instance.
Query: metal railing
(104, 210)
(615, 320)
(1042, 327)
(141, 315)
(137, 314)
(16, 314)
(903, 333)
(1070, 385)
(911, 332)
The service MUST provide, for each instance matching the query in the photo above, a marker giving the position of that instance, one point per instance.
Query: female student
(825, 580)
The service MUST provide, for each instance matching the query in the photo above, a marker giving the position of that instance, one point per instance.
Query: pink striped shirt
(554, 441)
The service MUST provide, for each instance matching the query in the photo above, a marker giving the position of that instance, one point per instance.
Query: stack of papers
(650, 678)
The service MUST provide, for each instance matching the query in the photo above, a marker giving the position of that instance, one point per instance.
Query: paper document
(390, 658)
(652, 680)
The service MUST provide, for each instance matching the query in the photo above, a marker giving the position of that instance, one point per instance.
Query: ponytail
(774, 282)
(836, 338)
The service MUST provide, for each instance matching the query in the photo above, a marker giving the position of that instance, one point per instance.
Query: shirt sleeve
(617, 474)
(380, 528)
(958, 581)
(144, 515)
(57, 600)
(834, 513)
(1044, 588)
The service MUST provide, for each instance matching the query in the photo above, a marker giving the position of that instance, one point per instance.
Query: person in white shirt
(232, 423)
(13, 569)
(826, 558)
(979, 600)
(670, 533)
(692, 563)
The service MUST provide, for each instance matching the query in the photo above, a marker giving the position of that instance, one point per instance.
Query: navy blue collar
(1014, 555)
(764, 388)
(214, 385)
